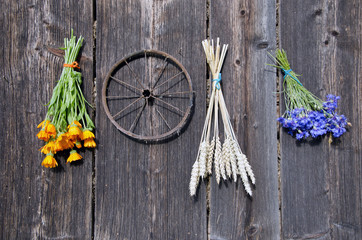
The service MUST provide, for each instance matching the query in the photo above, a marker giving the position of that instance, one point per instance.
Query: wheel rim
(148, 96)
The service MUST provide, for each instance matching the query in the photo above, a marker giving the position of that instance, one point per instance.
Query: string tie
(72, 65)
(287, 73)
(217, 80)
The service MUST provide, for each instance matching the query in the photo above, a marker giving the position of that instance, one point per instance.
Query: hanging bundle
(227, 158)
(67, 122)
(307, 115)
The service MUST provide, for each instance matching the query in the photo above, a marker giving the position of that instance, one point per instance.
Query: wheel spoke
(134, 75)
(135, 121)
(160, 73)
(172, 93)
(163, 118)
(176, 75)
(170, 87)
(121, 97)
(132, 103)
(171, 106)
(125, 84)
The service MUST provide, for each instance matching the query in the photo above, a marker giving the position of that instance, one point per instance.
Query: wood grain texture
(142, 190)
(321, 182)
(38, 203)
(249, 29)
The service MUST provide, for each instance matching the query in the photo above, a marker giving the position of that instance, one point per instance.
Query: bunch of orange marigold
(62, 128)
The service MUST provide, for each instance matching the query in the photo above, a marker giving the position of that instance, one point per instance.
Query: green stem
(295, 94)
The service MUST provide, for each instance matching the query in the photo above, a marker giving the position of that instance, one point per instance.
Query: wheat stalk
(229, 161)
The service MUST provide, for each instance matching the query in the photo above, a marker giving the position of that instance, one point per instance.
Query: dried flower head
(74, 156)
(49, 161)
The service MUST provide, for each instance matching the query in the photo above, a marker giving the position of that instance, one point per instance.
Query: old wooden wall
(321, 182)
(129, 190)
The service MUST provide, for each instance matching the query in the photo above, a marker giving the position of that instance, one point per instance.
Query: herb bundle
(67, 122)
(227, 158)
(306, 115)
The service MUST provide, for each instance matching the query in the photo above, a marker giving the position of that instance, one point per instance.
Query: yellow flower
(48, 148)
(89, 143)
(50, 129)
(74, 156)
(74, 132)
(42, 135)
(49, 161)
(87, 134)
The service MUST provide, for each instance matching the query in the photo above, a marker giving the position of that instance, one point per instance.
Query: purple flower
(281, 120)
(315, 132)
(302, 124)
(296, 112)
(338, 131)
(301, 135)
(331, 104)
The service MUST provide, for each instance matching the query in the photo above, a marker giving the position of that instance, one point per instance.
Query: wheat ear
(194, 178)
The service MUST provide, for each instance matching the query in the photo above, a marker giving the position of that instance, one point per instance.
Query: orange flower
(42, 135)
(62, 137)
(87, 134)
(78, 144)
(89, 143)
(50, 129)
(74, 156)
(49, 161)
(63, 142)
(75, 122)
(58, 147)
(43, 123)
(48, 148)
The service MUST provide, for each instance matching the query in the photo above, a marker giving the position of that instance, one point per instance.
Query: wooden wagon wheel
(148, 96)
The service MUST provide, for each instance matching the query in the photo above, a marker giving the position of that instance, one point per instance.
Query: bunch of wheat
(228, 159)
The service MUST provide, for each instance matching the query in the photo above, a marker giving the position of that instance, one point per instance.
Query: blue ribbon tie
(287, 73)
(217, 80)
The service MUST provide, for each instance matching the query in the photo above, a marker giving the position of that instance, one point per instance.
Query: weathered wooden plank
(305, 203)
(142, 189)
(345, 169)
(249, 29)
(321, 193)
(39, 203)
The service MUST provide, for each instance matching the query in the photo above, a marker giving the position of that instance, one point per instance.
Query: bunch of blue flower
(302, 124)
(306, 115)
